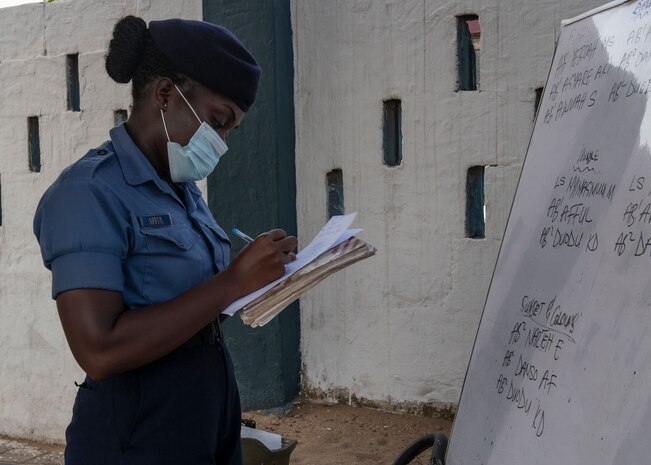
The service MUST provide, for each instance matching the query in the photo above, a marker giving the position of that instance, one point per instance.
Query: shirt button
(102, 152)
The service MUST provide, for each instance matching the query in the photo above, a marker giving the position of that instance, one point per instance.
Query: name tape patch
(155, 221)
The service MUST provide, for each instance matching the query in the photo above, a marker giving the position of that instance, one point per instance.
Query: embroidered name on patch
(155, 221)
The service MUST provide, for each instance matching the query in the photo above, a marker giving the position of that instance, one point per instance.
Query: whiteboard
(561, 369)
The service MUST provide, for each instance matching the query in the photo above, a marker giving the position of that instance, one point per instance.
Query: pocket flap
(180, 235)
(219, 231)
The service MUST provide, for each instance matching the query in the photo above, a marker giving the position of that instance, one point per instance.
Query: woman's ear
(163, 89)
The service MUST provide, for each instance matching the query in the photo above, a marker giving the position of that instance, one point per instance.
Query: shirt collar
(135, 166)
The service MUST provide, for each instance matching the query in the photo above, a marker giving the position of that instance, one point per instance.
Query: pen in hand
(246, 238)
(241, 235)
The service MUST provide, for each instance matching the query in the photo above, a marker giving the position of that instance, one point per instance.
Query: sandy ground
(341, 434)
(326, 435)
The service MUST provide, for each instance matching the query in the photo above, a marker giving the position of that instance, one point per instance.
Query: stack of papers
(333, 249)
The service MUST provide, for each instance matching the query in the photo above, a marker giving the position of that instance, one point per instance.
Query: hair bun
(125, 49)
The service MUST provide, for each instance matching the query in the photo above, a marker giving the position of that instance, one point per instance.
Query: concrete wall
(37, 371)
(397, 330)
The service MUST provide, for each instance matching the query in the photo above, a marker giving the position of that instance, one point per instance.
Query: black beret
(211, 55)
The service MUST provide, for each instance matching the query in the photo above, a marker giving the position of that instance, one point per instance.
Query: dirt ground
(345, 435)
(326, 435)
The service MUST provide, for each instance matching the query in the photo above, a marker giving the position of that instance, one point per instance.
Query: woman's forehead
(218, 101)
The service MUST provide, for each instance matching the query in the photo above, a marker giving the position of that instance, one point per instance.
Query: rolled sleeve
(86, 270)
(82, 230)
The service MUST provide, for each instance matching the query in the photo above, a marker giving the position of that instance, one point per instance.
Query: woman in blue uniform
(139, 266)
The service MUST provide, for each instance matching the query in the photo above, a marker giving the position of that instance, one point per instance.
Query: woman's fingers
(287, 244)
(268, 254)
(288, 257)
(275, 234)
(281, 241)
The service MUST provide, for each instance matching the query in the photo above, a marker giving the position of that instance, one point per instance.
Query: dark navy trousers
(183, 409)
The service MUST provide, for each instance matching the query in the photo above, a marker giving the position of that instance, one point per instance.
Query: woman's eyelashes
(216, 125)
(221, 121)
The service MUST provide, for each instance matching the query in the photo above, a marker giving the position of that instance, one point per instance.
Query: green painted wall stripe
(286, 150)
(254, 188)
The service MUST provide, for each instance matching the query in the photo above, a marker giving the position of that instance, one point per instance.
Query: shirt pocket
(173, 262)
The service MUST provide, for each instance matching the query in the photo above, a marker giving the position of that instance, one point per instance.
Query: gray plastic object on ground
(255, 453)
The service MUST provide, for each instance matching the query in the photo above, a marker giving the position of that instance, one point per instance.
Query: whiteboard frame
(565, 22)
(594, 11)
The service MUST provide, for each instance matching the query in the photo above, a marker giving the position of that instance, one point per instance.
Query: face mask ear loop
(165, 125)
(186, 101)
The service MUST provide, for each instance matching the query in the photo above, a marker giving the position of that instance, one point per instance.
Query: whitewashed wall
(397, 330)
(36, 368)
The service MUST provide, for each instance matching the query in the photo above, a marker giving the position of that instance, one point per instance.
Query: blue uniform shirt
(110, 222)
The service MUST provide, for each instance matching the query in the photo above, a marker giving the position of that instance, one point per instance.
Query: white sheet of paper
(334, 232)
(271, 441)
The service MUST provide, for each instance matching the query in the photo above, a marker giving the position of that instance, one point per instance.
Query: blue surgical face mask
(198, 159)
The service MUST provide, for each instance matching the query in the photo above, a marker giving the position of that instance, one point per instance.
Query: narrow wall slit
(72, 81)
(475, 207)
(33, 144)
(392, 132)
(468, 49)
(335, 193)
(536, 104)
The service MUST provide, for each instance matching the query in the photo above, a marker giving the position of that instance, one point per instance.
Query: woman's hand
(262, 261)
